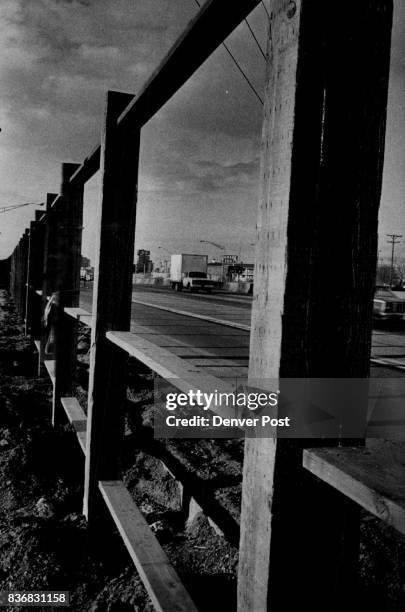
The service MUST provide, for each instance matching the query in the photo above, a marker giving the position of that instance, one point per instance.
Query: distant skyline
(199, 155)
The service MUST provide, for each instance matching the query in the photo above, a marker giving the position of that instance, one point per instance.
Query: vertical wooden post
(14, 277)
(12, 267)
(34, 275)
(14, 274)
(30, 288)
(67, 284)
(17, 295)
(321, 175)
(48, 270)
(111, 298)
(36, 281)
(24, 267)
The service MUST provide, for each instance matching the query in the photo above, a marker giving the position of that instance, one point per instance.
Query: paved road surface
(388, 346)
(223, 351)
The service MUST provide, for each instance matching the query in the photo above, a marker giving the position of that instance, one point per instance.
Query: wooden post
(17, 295)
(12, 267)
(321, 175)
(23, 273)
(13, 284)
(36, 281)
(111, 298)
(48, 270)
(67, 284)
(30, 288)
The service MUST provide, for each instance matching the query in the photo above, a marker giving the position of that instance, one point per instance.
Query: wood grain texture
(321, 173)
(74, 413)
(161, 581)
(180, 373)
(111, 310)
(50, 368)
(373, 476)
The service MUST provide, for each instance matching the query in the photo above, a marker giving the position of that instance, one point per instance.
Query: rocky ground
(44, 542)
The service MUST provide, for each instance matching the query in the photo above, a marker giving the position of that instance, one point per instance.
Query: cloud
(199, 154)
(398, 36)
(58, 58)
(165, 173)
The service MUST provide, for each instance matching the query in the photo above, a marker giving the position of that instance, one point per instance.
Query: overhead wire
(265, 8)
(255, 39)
(235, 61)
(252, 87)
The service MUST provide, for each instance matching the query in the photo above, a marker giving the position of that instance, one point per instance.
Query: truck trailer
(189, 271)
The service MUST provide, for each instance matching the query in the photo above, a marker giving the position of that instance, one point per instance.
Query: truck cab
(193, 281)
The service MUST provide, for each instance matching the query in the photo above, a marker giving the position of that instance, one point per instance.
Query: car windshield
(197, 274)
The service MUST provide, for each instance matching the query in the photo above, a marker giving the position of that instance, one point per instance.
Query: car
(388, 305)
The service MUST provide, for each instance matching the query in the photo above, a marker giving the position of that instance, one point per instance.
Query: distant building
(215, 270)
(241, 272)
(144, 264)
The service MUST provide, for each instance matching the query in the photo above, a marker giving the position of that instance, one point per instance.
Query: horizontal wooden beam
(74, 413)
(80, 314)
(209, 28)
(50, 368)
(160, 579)
(88, 168)
(372, 476)
(179, 373)
(82, 437)
(77, 419)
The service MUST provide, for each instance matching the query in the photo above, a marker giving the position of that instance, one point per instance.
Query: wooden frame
(323, 145)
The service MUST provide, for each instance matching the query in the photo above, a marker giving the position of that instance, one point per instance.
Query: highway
(221, 350)
(195, 314)
(184, 324)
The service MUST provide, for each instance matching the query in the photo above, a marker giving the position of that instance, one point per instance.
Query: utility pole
(393, 242)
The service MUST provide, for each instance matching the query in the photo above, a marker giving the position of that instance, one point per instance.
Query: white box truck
(189, 271)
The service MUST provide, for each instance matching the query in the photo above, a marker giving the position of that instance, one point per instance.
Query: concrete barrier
(238, 287)
(231, 287)
(162, 282)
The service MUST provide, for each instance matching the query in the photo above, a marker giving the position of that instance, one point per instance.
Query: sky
(199, 160)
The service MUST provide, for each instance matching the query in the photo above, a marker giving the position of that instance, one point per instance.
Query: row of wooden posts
(320, 187)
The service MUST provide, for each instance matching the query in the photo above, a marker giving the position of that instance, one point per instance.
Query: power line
(265, 8)
(252, 87)
(255, 39)
(243, 74)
